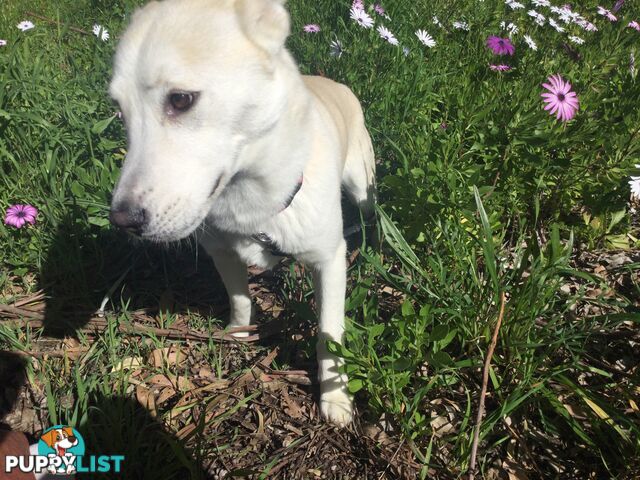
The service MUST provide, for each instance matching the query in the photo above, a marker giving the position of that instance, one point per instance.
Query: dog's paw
(238, 334)
(337, 407)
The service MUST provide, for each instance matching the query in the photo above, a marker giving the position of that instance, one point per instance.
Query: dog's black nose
(128, 218)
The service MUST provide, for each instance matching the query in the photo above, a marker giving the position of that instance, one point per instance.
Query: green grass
(481, 193)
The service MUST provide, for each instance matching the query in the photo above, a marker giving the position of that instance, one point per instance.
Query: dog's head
(60, 439)
(196, 82)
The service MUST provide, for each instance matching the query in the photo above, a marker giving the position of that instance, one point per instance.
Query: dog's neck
(262, 188)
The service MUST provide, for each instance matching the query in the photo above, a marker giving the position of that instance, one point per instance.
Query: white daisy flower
(101, 32)
(3, 43)
(387, 35)
(573, 16)
(425, 38)
(361, 17)
(405, 51)
(25, 25)
(514, 5)
(436, 22)
(563, 13)
(555, 25)
(539, 18)
(530, 42)
(576, 40)
(335, 48)
(634, 183)
(588, 26)
(513, 29)
(541, 3)
(461, 26)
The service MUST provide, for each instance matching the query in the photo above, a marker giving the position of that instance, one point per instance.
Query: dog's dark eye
(181, 101)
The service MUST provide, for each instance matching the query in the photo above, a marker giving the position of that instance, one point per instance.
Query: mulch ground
(251, 420)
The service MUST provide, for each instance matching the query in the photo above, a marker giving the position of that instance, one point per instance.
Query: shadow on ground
(83, 264)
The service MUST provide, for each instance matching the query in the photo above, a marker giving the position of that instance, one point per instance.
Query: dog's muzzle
(129, 218)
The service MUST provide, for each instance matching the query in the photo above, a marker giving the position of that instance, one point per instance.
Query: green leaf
(438, 333)
(487, 241)
(617, 242)
(355, 385)
(102, 125)
(440, 359)
(616, 218)
(407, 308)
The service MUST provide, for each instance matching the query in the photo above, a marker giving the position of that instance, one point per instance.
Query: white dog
(226, 135)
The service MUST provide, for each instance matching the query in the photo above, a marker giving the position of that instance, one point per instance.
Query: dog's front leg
(234, 276)
(330, 283)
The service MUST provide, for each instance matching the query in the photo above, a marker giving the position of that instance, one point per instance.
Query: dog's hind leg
(234, 276)
(330, 283)
(358, 176)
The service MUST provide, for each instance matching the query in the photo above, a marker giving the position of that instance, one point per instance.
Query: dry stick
(483, 393)
(34, 298)
(21, 312)
(51, 20)
(36, 321)
(50, 353)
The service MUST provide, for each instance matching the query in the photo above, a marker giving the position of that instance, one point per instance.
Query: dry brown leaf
(183, 384)
(514, 471)
(127, 363)
(165, 394)
(147, 399)
(173, 355)
(73, 349)
(291, 407)
(260, 430)
(160, 380)
(375, 433)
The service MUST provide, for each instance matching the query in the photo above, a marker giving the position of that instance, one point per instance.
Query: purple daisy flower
(500, 68)
(560, 99)
(500, 46)
(18, 215)
(379, 9)
(634, 24)
(618, 5)
(311, 28)
(607, 13)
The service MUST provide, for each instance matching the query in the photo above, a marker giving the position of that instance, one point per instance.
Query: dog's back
(358, 171)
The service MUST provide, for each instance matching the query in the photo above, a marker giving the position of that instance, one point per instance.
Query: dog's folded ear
(265, 22)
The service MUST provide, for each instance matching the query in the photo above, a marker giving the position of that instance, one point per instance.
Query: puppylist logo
(61, 451)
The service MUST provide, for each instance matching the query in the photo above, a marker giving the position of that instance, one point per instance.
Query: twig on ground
(39, 295)
(36, 320)
(55, 22)
(483, 392)
(391, 460)
(51, 353)
(22, 312)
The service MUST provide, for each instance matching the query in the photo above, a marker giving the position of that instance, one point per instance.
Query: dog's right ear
(266, 22)
(49, 438)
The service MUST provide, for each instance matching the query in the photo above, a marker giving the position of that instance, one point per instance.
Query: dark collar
(264, 238)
